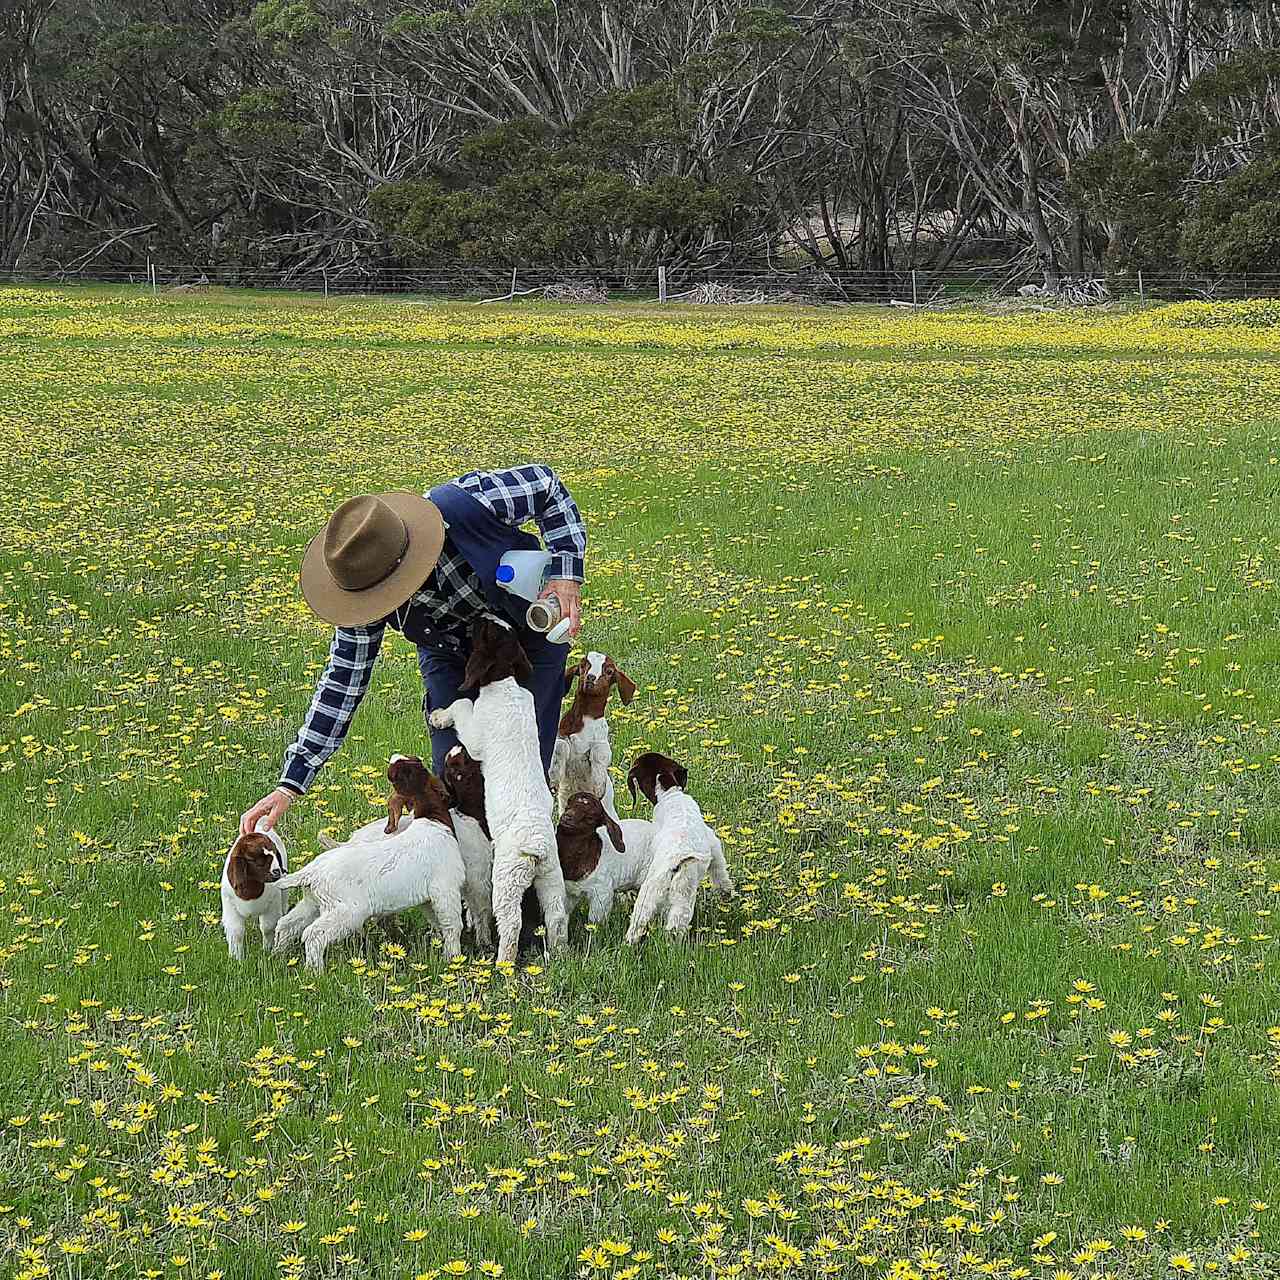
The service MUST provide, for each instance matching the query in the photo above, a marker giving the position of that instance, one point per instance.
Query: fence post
(915, 296)
(1142, 296)
(151, 275)
(325, 273)
(662, 284)
(511, 297)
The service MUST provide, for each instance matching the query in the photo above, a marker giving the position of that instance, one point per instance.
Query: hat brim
(344, 608)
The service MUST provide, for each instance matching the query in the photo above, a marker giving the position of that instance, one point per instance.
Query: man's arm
(341, 688)
(536, 493)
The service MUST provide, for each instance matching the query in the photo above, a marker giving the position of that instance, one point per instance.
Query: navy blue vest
(482, 539)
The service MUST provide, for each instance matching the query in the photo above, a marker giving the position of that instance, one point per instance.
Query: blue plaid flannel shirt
(452, 595)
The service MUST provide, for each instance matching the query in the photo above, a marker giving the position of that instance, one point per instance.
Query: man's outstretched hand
(271, 808)
(569, 594)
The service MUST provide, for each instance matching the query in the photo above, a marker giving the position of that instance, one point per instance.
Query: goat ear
(239, 874)
(481, 661)
(473, 674)
(570, 675)
(682, 775)
(395, 808)
(626, 685)
(615, 834)
(446, 812)
(643, 772)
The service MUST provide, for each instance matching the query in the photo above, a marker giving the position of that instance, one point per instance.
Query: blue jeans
(442, 674)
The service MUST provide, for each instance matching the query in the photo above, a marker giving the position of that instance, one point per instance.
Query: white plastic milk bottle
(524, 574)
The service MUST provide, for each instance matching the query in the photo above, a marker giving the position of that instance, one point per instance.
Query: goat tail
(295, 880)
(671, 873)
(327, 842)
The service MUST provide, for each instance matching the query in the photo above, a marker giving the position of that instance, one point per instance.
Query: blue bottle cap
(506, 573)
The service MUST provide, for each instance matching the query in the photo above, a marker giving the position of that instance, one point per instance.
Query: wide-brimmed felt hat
(374, 553)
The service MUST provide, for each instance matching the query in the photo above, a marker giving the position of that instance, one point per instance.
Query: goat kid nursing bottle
(524, 574)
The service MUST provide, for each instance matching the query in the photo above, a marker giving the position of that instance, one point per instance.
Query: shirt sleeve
(342, 686)
(536, 493)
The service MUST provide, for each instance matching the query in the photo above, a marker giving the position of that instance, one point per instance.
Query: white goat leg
(234, 929)
(480, 911)
(447, 908)
(457, 716)
(511, 877)
(601, 782)
(648, 900)
(327, 929)
(267, 922)
(682, 895)
(599, 905)
(557, 774)
(548, 881)
(720, 876)
(291, 925)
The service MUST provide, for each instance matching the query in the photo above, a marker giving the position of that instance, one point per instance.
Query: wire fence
(809, 284)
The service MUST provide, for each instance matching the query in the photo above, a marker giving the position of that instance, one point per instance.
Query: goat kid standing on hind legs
(428, 568)
(498, 729)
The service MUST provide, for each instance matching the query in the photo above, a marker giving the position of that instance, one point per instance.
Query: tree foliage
(597, 192)
(1235, 225)
(349, 134)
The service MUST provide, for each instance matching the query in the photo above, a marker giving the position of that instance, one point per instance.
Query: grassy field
(966, 627)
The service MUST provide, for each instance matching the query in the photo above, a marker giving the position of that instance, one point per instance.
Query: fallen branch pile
(575, 293)
(718, 295)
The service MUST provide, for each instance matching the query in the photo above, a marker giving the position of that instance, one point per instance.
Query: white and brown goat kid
(380, 874)
(253, 866)
(583, 753)
(410, 796)
(464, 781)
(499, 729)
(601, 857)
(684, 848)
(465, 787)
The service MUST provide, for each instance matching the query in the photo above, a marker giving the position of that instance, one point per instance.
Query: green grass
(965, 628)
